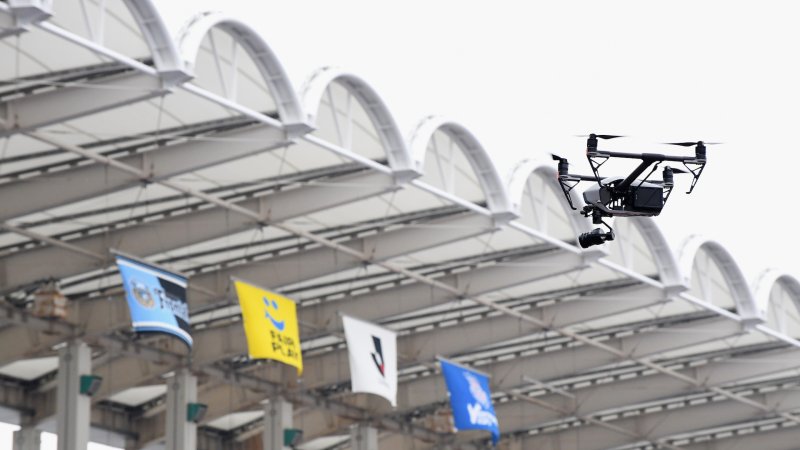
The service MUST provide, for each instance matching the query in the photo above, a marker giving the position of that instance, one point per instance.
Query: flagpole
(463, 366)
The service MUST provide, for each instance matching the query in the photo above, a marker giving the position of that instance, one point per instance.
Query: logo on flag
(156, 299)
(470, 399)
(270, 325)
(377, 355)
(372, 351)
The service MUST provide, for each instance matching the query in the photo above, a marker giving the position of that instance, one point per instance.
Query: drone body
(628, 196)
(643, 199)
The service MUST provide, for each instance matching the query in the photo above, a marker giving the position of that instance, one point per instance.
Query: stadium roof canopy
(197, 153)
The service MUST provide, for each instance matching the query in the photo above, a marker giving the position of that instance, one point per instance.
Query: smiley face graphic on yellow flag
(270, 324)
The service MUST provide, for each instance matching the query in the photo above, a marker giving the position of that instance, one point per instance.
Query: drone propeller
(600, 136)
(556, 157)
(676, 170)
(692, 144)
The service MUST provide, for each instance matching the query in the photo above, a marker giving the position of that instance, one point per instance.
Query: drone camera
(595, 237)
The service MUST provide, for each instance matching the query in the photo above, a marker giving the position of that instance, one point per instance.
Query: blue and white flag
(470, 399)
(156, 299)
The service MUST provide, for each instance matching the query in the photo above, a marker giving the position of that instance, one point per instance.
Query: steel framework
(196, 152)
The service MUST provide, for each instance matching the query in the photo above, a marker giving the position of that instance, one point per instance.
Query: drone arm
(696, 172)
(667, 191)
(595, 164)
(563, 181)
(643, 156)
(635, 174)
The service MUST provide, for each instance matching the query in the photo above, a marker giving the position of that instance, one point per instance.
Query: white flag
(373, 358)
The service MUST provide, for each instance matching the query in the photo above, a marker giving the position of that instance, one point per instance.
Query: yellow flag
(270, 324)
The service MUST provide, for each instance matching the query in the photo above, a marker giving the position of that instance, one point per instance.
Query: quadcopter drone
(628, 196)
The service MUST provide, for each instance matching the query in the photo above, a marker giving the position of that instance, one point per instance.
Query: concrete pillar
(73, 414)
(181, 390)
(277, 418)
(363, 437)
(515, 443)
(27, 438)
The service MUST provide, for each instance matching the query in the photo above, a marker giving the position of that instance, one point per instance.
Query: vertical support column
(73, 409)
(181, 390)
(278, 417)
(363, 437)
(27, 438)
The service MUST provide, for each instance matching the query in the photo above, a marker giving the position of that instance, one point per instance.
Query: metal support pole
(278, 417)
(27, 438)
(73, 409)
(181, 391)
(363, 437)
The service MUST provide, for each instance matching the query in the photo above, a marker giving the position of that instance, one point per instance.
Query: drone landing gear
(596, 236)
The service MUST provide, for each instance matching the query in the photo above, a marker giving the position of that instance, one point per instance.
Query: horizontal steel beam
(66, 186)
(307, 265)
(781, 437)
(62, 104)
(646, 388)
(189, 228)
(659, 425)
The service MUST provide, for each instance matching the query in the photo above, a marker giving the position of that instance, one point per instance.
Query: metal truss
(511, 300)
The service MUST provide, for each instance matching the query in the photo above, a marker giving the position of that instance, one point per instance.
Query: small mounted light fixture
(195, 412)
(90, 384)
(292, 436)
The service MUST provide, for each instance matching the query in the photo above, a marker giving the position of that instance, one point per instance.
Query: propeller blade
(692, 144)
(556, 157)
(676, 170)
(600, 136)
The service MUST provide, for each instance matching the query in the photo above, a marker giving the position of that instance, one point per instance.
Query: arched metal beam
(767, 281)
(740, 290)
(497, 198)
(191, 37)
(397, 153)
(165, 53)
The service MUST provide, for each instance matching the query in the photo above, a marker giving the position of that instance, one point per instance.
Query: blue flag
(470, 399)
(156, 299)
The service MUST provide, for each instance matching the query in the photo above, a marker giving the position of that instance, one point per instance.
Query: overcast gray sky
(526, 77)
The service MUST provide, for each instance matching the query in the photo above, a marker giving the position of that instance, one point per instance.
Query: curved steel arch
(668, 268)
(518, 178)
(190, 38)
(745, 303)
(497, 198)
(770, 278)
(393, 143)
(165, 53)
